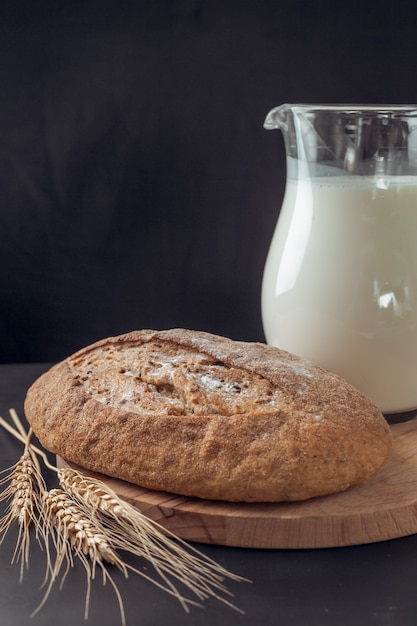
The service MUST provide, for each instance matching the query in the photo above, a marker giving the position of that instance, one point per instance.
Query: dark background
(138, 187)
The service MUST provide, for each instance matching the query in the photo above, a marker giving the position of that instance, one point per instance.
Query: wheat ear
(131, 531)
(75, 532)
(24, 494)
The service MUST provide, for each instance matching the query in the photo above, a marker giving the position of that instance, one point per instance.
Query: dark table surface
(370, 584)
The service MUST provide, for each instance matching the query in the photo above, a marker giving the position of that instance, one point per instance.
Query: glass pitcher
(340, 280)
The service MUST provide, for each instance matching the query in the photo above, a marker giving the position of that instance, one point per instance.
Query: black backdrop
(138, 187)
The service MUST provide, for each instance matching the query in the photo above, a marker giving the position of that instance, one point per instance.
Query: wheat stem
(22, 436)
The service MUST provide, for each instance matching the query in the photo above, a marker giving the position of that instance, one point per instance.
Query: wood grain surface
(385, 507)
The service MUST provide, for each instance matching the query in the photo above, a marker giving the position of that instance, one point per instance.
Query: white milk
(340, 282)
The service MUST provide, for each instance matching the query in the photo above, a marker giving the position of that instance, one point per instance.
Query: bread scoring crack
(167, 378)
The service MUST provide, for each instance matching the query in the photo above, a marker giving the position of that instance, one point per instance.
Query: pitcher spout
(277, 118)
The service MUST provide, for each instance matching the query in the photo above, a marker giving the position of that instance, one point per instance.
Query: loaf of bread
(200, 415)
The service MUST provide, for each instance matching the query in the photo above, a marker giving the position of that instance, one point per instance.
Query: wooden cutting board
(385, 507)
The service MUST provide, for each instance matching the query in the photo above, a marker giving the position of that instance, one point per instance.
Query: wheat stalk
(24, 495)
(85, 518)
(131, 531)
(63, 521)
(73, 531)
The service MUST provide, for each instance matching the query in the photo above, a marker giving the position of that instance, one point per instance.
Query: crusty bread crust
(201, 415)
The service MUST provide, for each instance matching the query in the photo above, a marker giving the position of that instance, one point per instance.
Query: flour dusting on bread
(172, 379)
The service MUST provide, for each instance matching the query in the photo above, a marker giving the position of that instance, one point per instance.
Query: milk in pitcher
(340, 282)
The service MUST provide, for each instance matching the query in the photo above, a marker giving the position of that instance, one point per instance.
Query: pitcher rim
(348, 107)
(277, 117)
